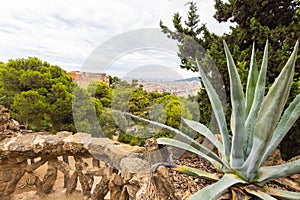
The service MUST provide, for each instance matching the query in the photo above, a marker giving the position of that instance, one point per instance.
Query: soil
(186, 185)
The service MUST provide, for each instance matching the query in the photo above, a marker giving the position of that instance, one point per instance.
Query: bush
(132, 140)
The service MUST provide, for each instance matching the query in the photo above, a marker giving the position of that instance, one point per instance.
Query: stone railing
(122, 173)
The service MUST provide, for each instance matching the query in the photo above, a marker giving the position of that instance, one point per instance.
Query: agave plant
(258, 125)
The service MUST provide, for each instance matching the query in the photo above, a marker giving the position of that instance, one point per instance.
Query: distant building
(89, 76)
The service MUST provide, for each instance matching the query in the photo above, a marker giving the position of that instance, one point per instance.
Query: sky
(67, 32)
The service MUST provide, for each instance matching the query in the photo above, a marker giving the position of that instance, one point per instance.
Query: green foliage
(60, 105)
(191, 106)
(181, 34)
(120, 98)
(136, 139)
(163, 134)
(37, 93)
(173, 112)
(265, 125)
(113, 80)
(112, 121)
(29, 108)
(101, 91)
(85, 112)
(139, 102)
(116, 82)
(170, 109)
(271, 13)
(155, 106)
(130, 98)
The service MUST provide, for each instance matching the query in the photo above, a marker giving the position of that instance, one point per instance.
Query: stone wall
(124, 173)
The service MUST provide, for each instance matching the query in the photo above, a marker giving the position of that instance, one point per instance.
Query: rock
(21, 143)
(161, 187)
(208, 144)
(4, 118)
(11, 171)
(64, 134)
(97, 146)
(13, 125)
(78, 138)
(134, 165)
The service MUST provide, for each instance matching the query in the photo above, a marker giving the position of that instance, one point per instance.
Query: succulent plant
(258, 125)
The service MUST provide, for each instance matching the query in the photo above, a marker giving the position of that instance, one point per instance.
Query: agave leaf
(251, 82)
(278, 171)
(257, 100)
(215, 190)
(269, 115)
(190, 141)
(209, 155)
(282, 193)
(238, 194)
(238, 110)
(203, 130)
(289, 117)
(259, 194)
(218, 111)
(196, 172)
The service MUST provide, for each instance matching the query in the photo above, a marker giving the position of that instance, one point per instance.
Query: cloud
(66, 32)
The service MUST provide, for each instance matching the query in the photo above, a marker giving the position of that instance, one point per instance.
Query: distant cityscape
(183, 88)
(178, 88)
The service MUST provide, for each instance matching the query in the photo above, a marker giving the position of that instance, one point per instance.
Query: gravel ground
(186, 185)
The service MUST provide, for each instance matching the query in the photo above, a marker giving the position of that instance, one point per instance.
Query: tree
(173, 112)
(195, 42)
(29, 109)
(139, 103)
(86, 110)
(9, 84)
(193, 107)
(101, 91)
(120, 98)
(184, 32)
(134, 82)
(170, 112)
(34, 80)
(60, 99)
(113, 81)
(52, 84)
(258, 21)
(112, 121)
(269, 13)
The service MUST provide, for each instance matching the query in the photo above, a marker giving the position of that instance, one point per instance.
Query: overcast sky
(66, 32)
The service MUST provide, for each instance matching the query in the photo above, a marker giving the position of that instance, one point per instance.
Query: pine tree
(194, 42)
